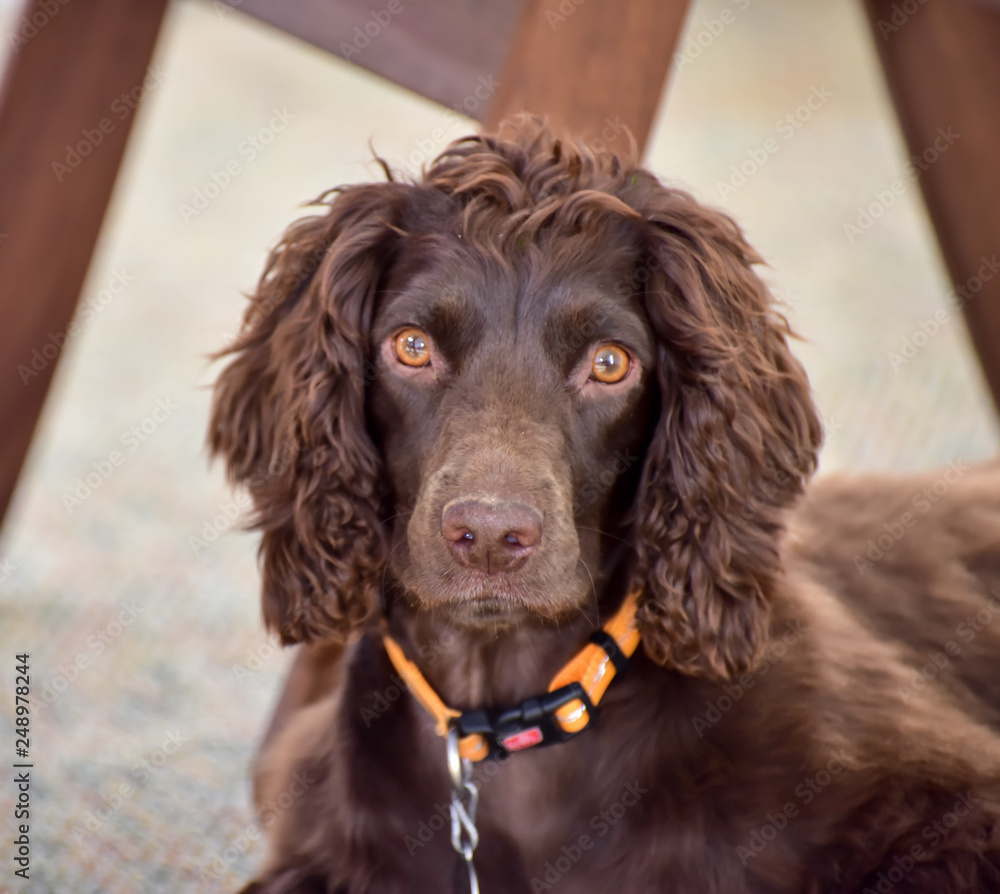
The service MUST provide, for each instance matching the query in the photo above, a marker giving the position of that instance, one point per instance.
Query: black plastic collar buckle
(528, 724)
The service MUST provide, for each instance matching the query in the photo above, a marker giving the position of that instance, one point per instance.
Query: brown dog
(477, 411)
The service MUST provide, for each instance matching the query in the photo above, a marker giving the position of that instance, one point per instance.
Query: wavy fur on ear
(288, 416)
(736, 440)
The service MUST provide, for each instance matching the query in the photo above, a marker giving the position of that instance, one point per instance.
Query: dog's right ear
(736, 440)
(288, 415)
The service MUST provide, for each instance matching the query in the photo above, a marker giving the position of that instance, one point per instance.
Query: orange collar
(571, 700)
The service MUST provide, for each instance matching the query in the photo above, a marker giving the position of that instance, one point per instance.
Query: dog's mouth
(492, 610)
(472, 596)
(476, 600)
(487, 607)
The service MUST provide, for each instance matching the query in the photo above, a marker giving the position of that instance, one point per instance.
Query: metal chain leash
(464, 800)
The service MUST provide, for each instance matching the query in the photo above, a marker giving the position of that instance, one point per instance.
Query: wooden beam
(442, 49)
(75, 75)
(590, 65)
(942, 62)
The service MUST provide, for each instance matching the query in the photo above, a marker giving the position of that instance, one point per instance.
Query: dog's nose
(491, 535)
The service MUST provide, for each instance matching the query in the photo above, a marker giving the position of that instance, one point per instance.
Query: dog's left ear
(288, 416)
(735, 442)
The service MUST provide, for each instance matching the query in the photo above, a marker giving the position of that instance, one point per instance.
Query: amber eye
(610, 364)
(412, 348)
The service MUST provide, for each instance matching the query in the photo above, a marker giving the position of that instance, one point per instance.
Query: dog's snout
(491, 535)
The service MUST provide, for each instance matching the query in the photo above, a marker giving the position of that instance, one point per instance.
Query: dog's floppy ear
(288, 416)
(736, 439)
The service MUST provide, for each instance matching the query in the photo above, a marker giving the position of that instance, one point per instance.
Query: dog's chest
(559, 811)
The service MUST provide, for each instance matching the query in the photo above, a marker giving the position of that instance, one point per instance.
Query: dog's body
(459, 427)
(892, 674)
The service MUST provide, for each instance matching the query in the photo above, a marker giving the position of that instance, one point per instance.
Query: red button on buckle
(524, 739)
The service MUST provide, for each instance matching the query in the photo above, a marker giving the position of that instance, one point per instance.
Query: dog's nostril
(490, 534)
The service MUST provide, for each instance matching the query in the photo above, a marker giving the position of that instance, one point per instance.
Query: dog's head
(471, 388)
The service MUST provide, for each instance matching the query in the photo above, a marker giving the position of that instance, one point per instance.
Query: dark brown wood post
(74, 77)
(590, 65)
(942, 61)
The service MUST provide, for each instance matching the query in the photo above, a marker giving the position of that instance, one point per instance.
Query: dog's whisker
(385, 571)
(607, 534)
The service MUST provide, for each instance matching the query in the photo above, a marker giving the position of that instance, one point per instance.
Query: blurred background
(141, 749)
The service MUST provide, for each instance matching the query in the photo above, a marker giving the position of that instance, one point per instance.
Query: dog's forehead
(445, 282)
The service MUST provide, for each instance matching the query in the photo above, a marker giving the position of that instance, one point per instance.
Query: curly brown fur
(781, 731)
(288, 416)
